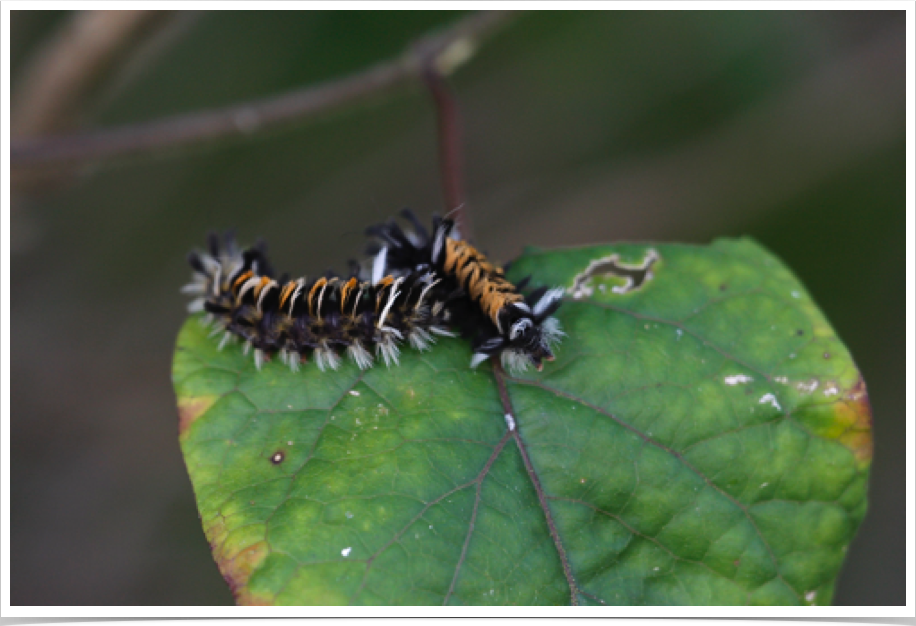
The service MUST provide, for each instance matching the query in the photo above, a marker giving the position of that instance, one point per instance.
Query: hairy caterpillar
(520, 329)
(294, 317)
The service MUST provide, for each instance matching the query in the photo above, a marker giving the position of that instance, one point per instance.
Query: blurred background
(579, 127)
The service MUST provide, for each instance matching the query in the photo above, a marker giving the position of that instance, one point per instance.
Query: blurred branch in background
(445, 51)
(78, 57)
(58, 84)
(451, 166)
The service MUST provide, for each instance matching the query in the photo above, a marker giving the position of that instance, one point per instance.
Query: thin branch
(61, 75)
(451, 159)
(446, 50)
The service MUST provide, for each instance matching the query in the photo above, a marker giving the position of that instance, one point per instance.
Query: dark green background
(579, 128)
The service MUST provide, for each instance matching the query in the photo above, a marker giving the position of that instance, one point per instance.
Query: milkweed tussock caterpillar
(520, 329)
(332, 314)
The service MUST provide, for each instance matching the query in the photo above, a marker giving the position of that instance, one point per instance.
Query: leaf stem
(500, 376)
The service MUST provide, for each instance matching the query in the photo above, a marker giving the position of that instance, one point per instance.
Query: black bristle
(196, 263)
(213, 244)
(417, 226)
(535, 295)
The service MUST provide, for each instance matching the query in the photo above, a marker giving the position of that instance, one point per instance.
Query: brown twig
(61, 76)
(450, 153)
(446, 50)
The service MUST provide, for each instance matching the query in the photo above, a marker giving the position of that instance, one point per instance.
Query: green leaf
(701, 439)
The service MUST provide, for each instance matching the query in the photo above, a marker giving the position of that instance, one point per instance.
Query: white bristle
(388, 349)
(438, 245)
(227, 337)
(195, 288)
(478, 358)
(319, 358)
(326, 357)
(546, 300)
(551, 331)
(360, 355)
(420, 339)
(515, 362)
(378, 266)
(393, 294)
(392, 331)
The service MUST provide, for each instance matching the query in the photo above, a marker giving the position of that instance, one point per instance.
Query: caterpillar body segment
(520, 329)
(363, 319)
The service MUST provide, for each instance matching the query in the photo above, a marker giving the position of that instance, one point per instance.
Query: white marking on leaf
(510, 422)
(770, 399)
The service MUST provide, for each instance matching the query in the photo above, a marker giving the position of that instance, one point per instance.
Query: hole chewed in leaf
(635, 276)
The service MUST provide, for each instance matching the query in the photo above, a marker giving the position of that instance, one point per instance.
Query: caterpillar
(238, 291)
(520, 329)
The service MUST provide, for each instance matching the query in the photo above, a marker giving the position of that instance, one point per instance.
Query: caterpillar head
(526, 334)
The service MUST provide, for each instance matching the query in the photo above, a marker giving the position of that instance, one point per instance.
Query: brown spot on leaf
(277, 457)
(189, 409)
(237, 570)
(237, 567)
(855, 409)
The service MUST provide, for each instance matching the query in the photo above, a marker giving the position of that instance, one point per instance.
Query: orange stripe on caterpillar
(288, 290)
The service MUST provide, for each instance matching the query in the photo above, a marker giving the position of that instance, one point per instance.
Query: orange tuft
(345, 291)
(287, 291)
(264, 282)
(241, 279)
(315, 288)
